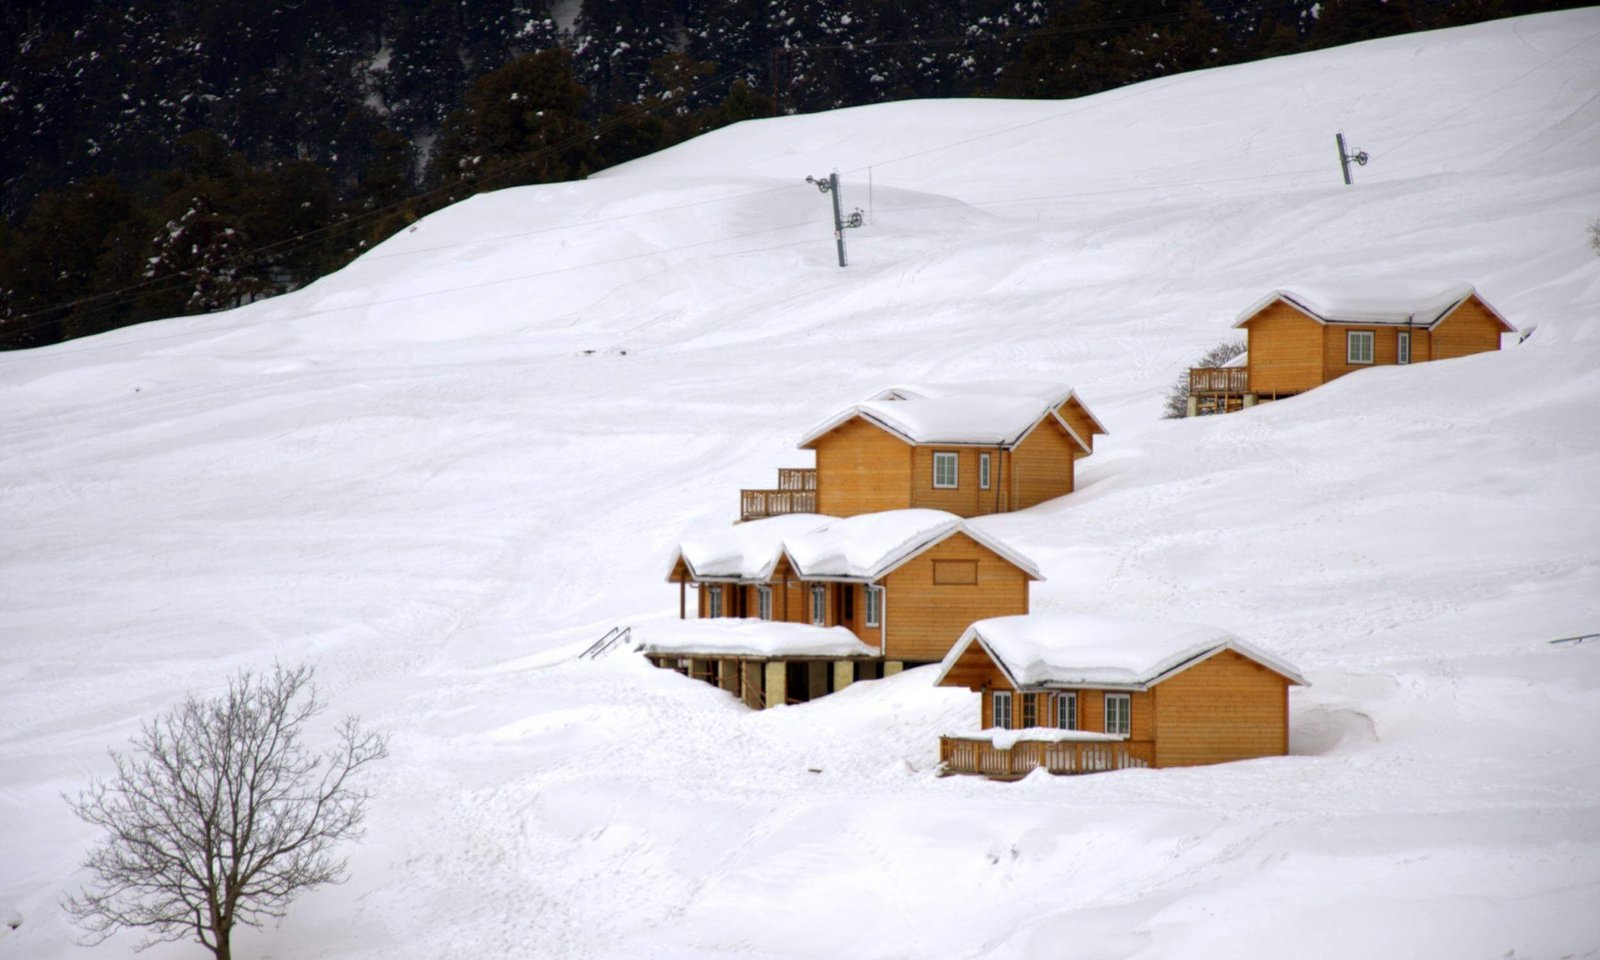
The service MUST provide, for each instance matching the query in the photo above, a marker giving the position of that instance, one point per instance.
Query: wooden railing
(797, 478)
(755, 504)
(970, 755)
(1219, 380)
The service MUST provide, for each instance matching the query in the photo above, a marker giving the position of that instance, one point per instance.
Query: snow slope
(441, 472)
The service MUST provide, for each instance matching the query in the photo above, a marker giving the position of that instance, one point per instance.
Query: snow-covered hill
(441, 471)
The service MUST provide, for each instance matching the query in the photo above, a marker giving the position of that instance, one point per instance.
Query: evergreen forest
(165, 157)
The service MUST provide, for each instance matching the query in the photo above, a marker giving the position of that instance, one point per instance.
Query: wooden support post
(683, 599)
(777, 683)
(750, 684)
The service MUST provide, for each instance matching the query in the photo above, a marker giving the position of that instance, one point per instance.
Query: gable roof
(1424, 312)
(1047, 392)
(870, 546)
(745, 637)
(860, 548)
(956, 420)
(1073, 650)
(744, 551)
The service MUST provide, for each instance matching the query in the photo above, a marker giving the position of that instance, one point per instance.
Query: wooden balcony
(1212, 380)
(796, 493)
(977, 755)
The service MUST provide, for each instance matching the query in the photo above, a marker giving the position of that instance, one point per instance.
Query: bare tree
(1594, 237)
(221, 815)
(1177, 400)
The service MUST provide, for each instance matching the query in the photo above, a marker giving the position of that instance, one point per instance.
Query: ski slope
(444, 470)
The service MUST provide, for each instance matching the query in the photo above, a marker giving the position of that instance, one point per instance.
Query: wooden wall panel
(976, 671)
(1470, 329)
(925, 620)
(1285, 351)
(1075, 416)
(1226, 708)
(862, 469)
(966, 500)
(1043, 465)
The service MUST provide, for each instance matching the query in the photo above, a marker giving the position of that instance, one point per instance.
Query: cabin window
(1001, 710)
(1358, 346)
(1030, 710)
(1402, 348)
(819, 605)
(946, 469)
(1066, 711)
(1119, 707)
(983, 471)
(874, 605)
(764, 602)
(849, 593)
(714, 602)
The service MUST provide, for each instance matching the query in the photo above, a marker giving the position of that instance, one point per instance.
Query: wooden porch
(796, 493)
(977, 755)
(1213, 380)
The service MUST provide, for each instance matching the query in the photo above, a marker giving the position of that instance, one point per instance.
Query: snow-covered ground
(441, 472)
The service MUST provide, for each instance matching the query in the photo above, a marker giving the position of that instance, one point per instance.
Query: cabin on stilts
(904, 584)
(1081, 694)
(1296, 341)
(968, 449)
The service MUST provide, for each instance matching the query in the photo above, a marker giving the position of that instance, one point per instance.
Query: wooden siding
(1078, 418)
(1335, 348)
(1225, 708)
(1470, 329)
(1042, 465)
(977, 671)
(925, 620)
(1286, 349)
(966, 499)
(862, 469)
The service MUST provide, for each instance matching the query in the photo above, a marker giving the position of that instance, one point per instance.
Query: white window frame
(764, 602)
(819, 605)
(1353, 337)
(1119, 720)
(1402, 347)
(1066, 717)
(983, 471)
(1000, 709)
(874, 606)
(954, 460)
(714, 601)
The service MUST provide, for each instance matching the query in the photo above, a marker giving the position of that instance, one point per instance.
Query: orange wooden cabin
(1078, 694)
(1296, 342)
(968, 449)
(906, 583)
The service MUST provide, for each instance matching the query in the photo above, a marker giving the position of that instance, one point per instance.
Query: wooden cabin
(1078, 694)
(906, 583)
(1295, 342)
(967, 449)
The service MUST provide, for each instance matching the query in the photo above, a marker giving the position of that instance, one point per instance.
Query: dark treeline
(167, 157)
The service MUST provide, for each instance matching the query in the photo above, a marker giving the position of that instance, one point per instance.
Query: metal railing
(613, 637)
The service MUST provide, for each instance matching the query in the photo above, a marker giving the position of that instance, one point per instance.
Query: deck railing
(797, 478)
(755, 504)
(1219, 380)
(978, 755)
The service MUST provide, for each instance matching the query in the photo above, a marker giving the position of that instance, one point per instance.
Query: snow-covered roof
(739, 637)
(1242, 360)
(871, 545)
(863, 547)
(1394, 305)
(1047, 392)
(744, 551)
(1076, 650)
(968, 419)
